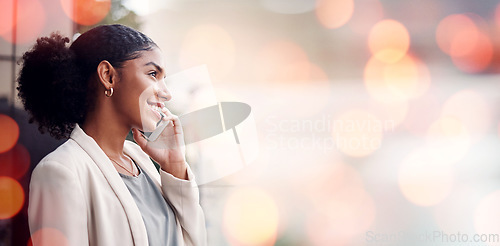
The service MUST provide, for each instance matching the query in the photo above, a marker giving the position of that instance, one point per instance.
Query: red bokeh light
(462, 36)
(479, 58)
(48, 236)
(15, 162)
(31, 19)
(449, 34)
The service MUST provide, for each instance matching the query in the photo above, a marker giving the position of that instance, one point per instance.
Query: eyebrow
(156, 66)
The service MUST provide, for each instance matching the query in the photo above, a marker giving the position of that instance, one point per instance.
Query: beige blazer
(77, 191)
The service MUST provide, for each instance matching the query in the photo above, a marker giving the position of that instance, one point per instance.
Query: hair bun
(48, 83)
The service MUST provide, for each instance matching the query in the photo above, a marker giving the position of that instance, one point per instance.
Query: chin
(148, 121)
(149, 125)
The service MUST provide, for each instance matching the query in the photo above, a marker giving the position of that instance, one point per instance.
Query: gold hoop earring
(110, 92)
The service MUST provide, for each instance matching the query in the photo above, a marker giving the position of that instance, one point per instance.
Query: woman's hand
(168, 150)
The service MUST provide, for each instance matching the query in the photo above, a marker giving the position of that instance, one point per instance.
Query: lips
(156, 108)
(155, 103)
(156, 112)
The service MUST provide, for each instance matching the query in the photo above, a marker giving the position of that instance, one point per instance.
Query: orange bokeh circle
(408, 78)
(9, 132)
(12, 197)
(334, 14)
(389, 41)
(86, 12)
(251, 217)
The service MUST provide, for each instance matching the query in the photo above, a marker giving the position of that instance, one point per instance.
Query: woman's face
(140, 90)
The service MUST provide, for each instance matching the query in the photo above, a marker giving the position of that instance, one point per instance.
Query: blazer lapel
(134, 217)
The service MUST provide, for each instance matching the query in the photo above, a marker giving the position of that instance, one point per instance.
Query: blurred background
(377, 120)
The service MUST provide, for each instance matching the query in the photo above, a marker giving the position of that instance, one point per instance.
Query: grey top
(156, 212)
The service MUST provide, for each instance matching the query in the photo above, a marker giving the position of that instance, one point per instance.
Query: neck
(107, 129)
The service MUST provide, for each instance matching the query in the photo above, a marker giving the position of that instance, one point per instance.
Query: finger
(171, 116)
(166, 111)
(176, 123)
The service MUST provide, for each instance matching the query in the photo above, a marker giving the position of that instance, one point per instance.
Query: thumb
(139, 139)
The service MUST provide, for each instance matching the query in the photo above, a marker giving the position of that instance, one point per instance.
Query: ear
(107, 74)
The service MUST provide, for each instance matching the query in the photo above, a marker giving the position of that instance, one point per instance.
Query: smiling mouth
(156, 107)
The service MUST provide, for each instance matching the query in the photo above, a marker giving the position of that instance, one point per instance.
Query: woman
(98, 188)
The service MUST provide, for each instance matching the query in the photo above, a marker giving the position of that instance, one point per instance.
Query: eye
(153, 73)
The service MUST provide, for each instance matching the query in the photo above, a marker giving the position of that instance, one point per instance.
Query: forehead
(147, 56)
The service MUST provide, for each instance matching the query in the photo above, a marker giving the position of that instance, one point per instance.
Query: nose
(162, 92)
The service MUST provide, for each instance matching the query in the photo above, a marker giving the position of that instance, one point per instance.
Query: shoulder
(66, 155)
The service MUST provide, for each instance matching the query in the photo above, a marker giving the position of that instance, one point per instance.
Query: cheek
(147, 120)
(133, 97)
(131, 103)
(128, 104)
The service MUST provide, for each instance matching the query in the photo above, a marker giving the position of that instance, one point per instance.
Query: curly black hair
(56, 82)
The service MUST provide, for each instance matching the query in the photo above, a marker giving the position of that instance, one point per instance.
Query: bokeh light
(366, 14)
(389, 41)
(342, 209)
(470, 108)
(470, 48)
(405, 79)
(6, 17)
(86, 12)
(479, 58)
(48, 236)
(357, 133)
(31, 18)
(456, 34)
(251, 217)
(424, 180)
(334, 13)
(12, 197)
(208, 44)
(9, 132)
(15, 162)
(485, 215)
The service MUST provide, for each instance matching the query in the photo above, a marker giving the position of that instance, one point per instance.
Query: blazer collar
(89, 145)
(142, 159)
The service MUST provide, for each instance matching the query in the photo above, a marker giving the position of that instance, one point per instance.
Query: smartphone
(160, 126)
